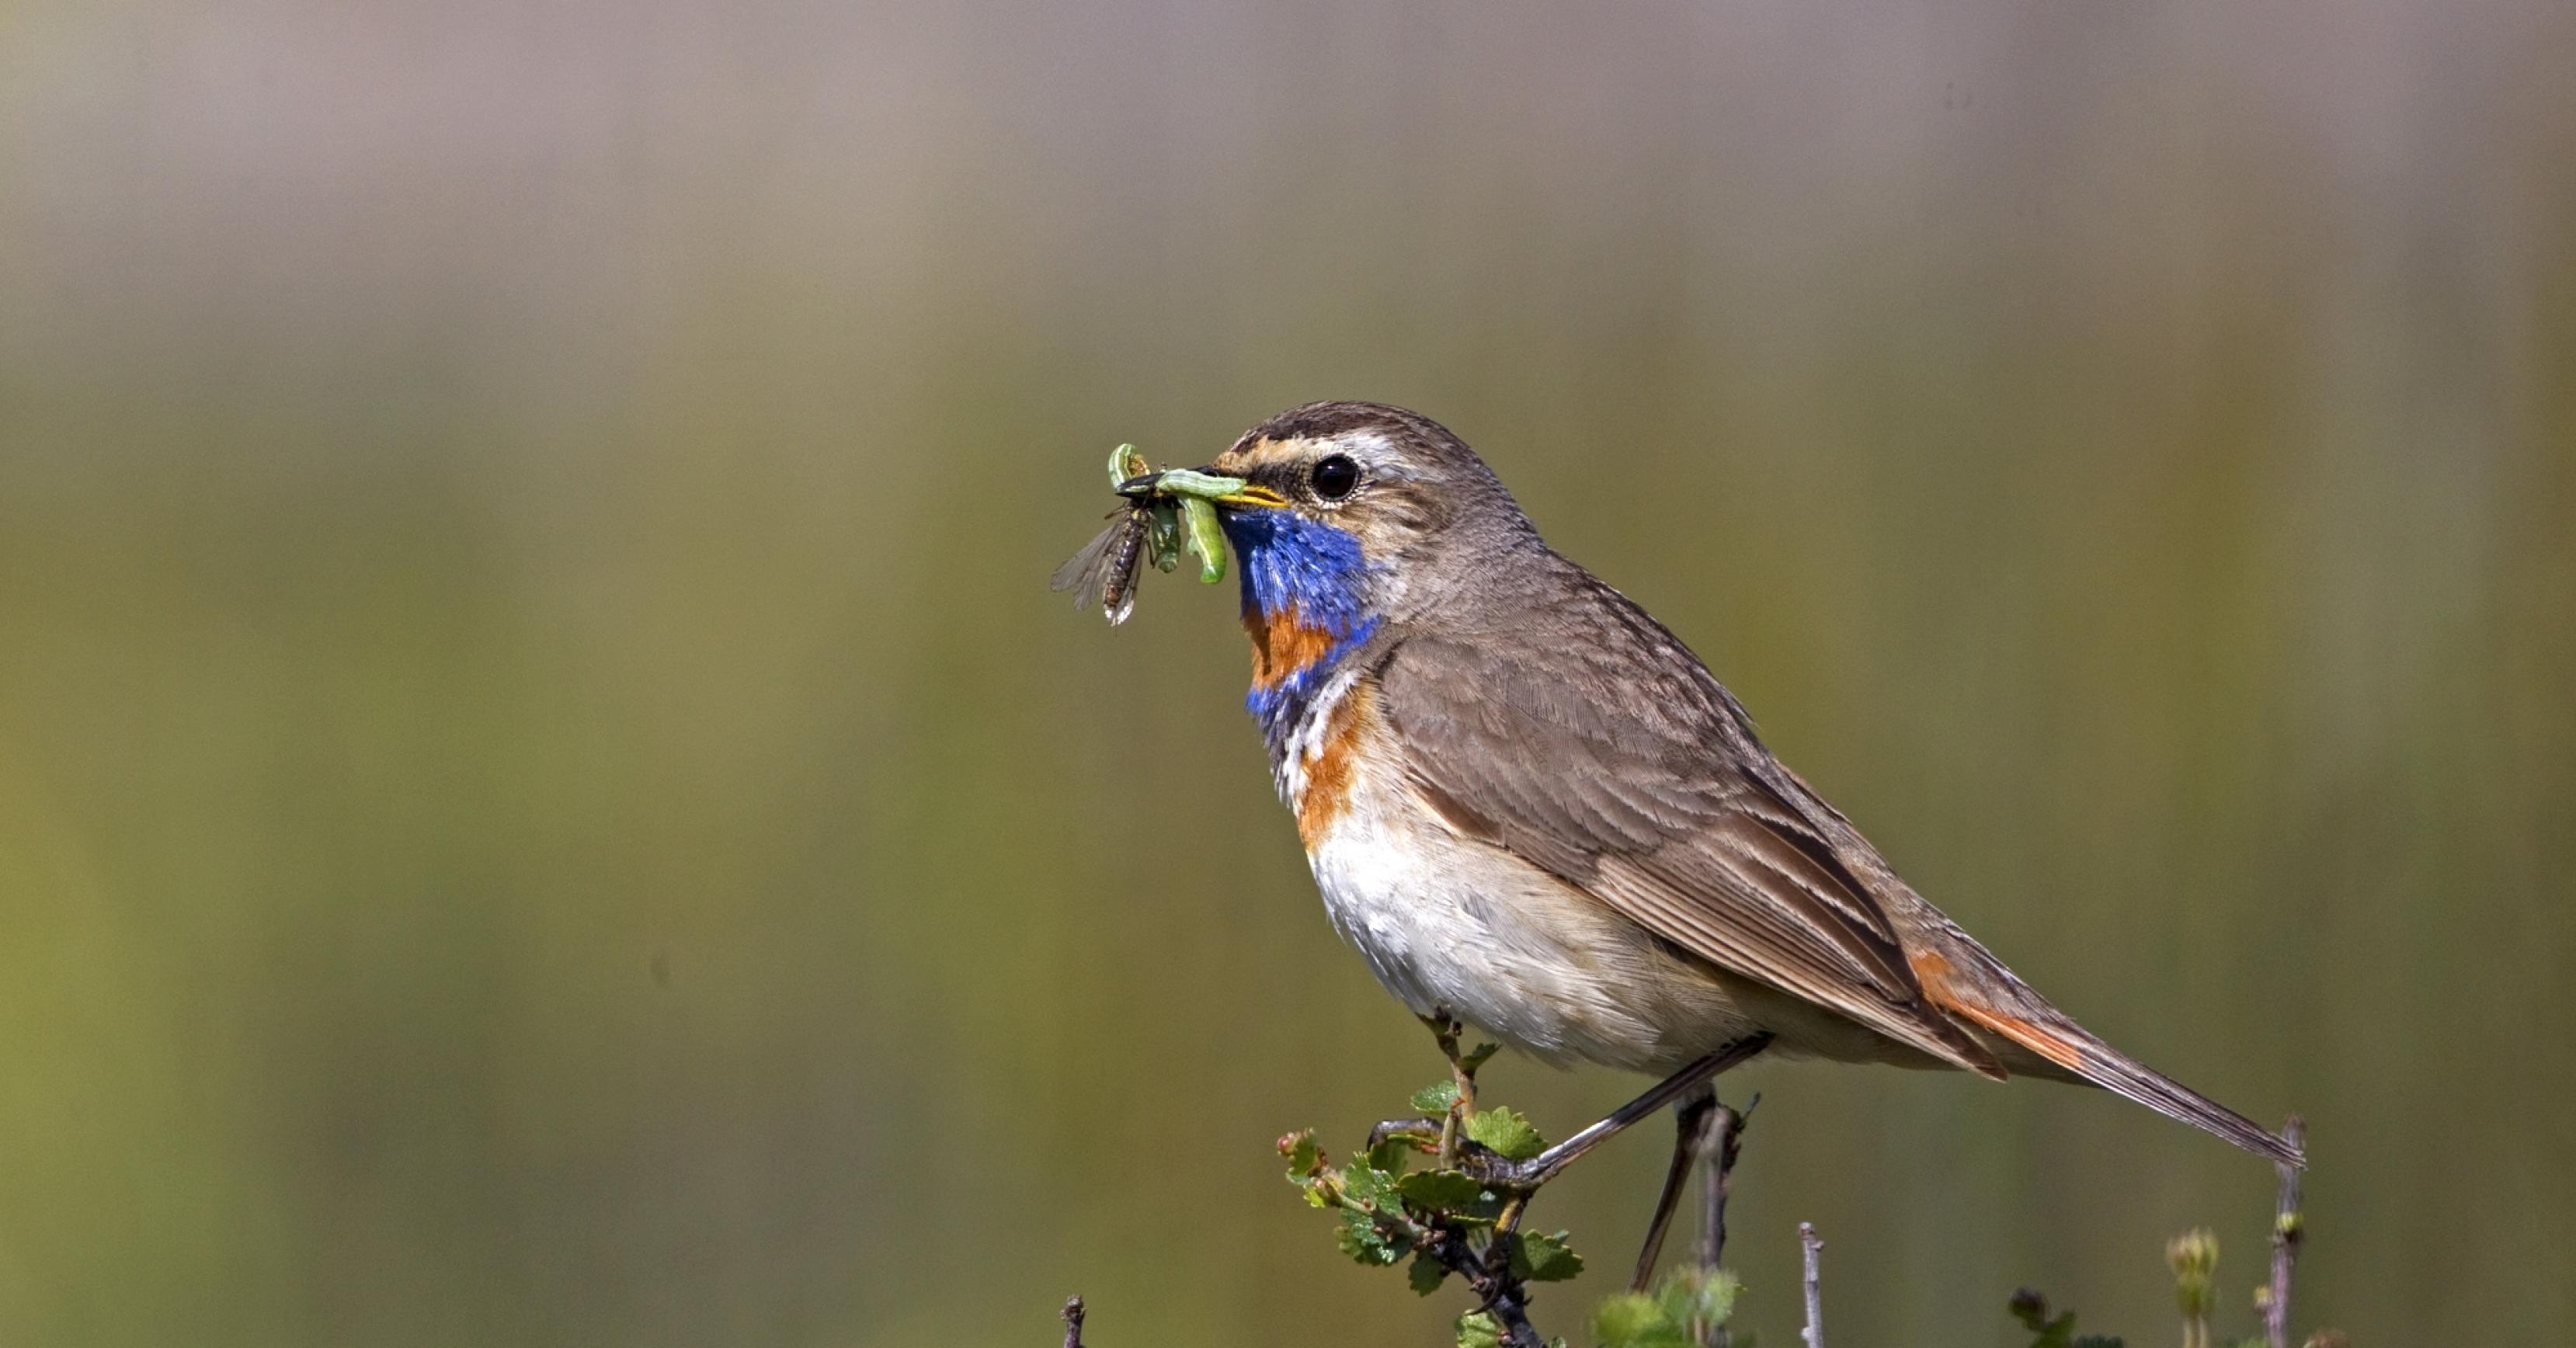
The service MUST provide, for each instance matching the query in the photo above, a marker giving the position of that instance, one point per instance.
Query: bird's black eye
(1334, 476)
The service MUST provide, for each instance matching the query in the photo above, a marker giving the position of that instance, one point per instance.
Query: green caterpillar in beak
(1164, 515)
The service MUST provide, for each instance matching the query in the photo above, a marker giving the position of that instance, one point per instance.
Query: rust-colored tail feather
(2048, 1033)
(2078, 1051)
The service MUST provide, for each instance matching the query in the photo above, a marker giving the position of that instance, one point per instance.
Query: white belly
(1457, 926)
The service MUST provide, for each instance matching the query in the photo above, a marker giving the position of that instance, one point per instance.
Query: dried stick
(1726, 1142)
(1073, 1322)
(1814, 1333)
(2288, 1229)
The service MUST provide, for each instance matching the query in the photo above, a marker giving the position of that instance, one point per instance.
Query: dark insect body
(1103, 574)
(1166, 514)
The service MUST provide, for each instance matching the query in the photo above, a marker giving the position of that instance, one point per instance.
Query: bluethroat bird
(1530, 807)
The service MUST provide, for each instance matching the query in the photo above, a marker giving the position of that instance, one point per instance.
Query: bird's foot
(1423, 1134)
(1469, 1157)
(1505, 1176)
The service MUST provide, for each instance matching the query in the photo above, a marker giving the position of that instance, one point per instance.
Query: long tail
(2044, 1030)
(2125, 1076)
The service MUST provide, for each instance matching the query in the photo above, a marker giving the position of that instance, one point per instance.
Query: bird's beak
(1207, 486)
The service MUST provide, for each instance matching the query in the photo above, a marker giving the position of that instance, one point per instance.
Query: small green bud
(2194, 1257)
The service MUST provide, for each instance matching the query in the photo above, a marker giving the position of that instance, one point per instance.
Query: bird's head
(1345, 515)
(1354, 511)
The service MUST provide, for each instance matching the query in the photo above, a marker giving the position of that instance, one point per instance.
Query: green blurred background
(544, 800)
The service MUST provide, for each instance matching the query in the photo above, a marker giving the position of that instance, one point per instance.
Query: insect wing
(1104, 572)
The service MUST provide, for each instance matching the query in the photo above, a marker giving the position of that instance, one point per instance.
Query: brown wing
(1594, 745)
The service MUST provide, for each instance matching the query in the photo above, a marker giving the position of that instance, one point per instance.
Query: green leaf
(1540, 1258)
(1391, 1156)
(1478, 1057)
(1691, 1293)
(1479, 1329)
(1630, 1320)
(1426, 1273)
(1440, 1191)
(1367, 1185)
(1436, 1098)
(1507, 1133)
(1361, 1239)
(1302, 1153)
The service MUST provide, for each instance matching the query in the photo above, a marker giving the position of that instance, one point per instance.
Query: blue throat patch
(1292, 564)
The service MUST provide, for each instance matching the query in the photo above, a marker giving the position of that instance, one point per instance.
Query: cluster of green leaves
(1441, 1221)
(1688, 1307)
(1388, 1211)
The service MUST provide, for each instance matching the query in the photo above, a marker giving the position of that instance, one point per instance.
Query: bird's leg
(1525, 1176)
(1691, 1119)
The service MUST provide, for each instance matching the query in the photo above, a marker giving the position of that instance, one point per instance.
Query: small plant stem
(2289, 1228)
(1808, 1245)
(1725, 1144)
(1489, 1275)
(1073, 1322)
(1717, 1180)
(1445, 1028)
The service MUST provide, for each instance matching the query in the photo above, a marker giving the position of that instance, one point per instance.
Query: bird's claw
(1500, 1173)
(1424, 1134)
(1475, 1160)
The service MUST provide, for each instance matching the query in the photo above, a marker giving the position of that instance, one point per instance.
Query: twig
(1814, 1333)
(1073, 1322)
(1446, 1029)
(1498, 1291)
(2288, 1230)
(1505, 1297)
(1717, 1181)
(1487, 1272)
(1726, 1142)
